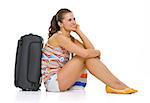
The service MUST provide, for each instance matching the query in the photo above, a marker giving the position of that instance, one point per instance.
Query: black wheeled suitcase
(28, 62)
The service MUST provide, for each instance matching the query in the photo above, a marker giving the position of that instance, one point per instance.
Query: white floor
(94, 92)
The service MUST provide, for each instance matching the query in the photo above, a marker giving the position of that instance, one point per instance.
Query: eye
(69, 20)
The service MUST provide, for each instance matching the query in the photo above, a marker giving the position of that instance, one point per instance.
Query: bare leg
(100, 71)
(72, 70)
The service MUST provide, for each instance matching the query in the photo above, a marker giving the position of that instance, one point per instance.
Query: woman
(60, 72)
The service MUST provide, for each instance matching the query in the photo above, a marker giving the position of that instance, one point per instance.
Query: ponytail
(54, 26)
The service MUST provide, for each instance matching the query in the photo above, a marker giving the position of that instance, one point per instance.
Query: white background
(118, 28)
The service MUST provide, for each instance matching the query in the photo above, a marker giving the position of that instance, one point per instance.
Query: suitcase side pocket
(34, 62)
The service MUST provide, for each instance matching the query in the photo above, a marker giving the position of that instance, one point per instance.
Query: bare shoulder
(53, 40)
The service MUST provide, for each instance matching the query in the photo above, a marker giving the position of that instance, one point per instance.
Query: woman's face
(68, 22)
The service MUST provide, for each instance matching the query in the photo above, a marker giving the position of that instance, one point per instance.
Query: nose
(73, 22)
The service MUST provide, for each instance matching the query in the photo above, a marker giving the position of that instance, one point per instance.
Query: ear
(59, 23)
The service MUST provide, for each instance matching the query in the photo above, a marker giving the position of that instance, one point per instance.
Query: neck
(64, 32)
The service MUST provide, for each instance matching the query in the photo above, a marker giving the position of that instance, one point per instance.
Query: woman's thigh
(70, 72)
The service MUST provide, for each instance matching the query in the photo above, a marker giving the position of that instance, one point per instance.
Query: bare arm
(81, 45)
(86, 42)
(72, 47)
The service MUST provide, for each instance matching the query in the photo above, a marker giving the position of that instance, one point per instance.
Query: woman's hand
(77, 30)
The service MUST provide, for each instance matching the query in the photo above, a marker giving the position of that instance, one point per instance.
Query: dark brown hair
(54, 27)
